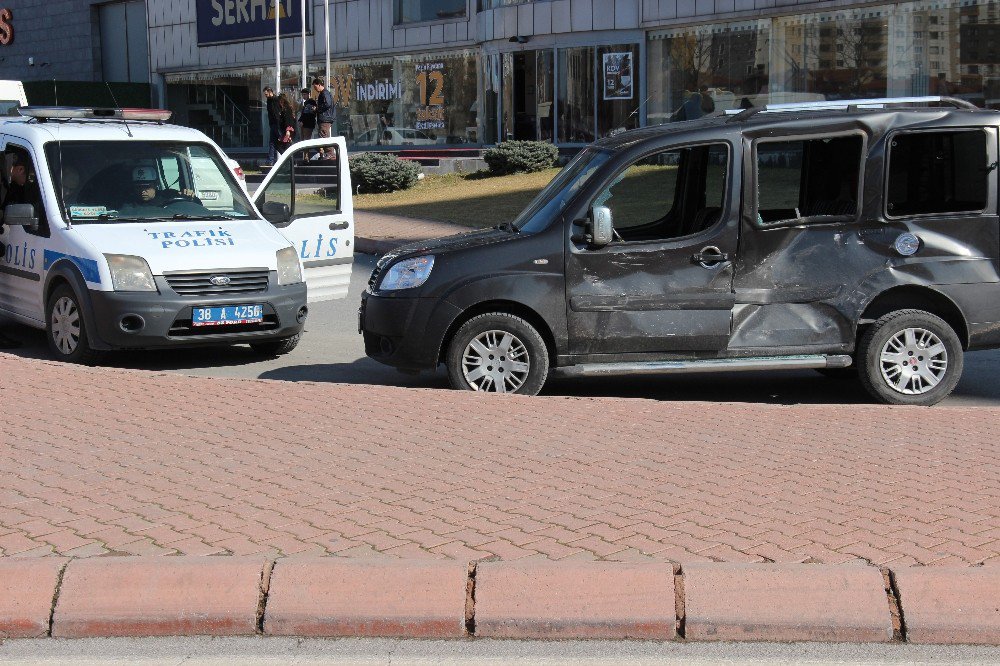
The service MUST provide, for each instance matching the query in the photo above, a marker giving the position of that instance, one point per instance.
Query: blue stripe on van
(87, 266)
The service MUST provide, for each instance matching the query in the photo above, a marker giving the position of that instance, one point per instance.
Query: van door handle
(338, 226)
(710, 257)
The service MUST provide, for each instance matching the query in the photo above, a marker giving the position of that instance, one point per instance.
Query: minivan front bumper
(165, 317)
(404, 332)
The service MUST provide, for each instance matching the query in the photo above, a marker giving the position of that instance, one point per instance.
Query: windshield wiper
(186, 216)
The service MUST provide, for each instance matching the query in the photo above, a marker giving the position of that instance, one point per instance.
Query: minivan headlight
(130, 273)
(408, 273)
(289, 268)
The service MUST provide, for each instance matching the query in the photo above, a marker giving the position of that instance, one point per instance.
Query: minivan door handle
(337, 226)
(710, 257)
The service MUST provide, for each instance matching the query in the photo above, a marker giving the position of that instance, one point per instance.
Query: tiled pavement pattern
(101, 461)
(377, 233)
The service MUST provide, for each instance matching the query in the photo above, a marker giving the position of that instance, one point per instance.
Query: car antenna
(117, 106)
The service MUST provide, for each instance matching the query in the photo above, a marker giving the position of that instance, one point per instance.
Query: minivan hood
(189, 245)
(452, 243)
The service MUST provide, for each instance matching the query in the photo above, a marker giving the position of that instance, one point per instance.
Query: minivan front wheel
(67, 330)
(497, 352)
(910, 357)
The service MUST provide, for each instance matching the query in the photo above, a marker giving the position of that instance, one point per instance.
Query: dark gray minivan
(844, 236)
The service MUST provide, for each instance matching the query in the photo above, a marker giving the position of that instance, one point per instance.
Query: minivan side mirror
(275, 211)
(21, 215)
(601, 228)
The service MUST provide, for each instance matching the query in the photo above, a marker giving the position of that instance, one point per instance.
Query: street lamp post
(302, 18)
(277, 47)
(326, 5)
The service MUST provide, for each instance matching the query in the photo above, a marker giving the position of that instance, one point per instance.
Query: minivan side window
(937, 172)
(670, 194)
(304, 202)
(808, 178)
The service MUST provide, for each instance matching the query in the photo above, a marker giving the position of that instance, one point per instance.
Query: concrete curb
(329, 596)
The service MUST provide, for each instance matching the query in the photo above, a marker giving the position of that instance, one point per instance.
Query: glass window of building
(224, 104)
(576, 95)
(124, 46)
(696, 71)
(618, 89)
(528, 90)
(415, 11)
(402, 101)
(937, 172)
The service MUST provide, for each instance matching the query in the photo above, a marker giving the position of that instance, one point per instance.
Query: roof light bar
(79, 112)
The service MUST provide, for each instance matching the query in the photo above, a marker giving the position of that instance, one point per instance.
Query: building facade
(436, 74)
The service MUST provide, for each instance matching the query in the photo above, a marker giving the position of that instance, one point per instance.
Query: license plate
(227, 315)
(208, 195)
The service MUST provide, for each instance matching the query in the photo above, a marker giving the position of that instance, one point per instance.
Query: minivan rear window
(808, 178)
(937, 172)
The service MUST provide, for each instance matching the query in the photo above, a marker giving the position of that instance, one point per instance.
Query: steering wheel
(176, 199)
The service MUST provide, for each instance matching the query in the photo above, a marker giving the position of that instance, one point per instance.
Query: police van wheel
(910, 357)
(276, 347)
(67, 330)
(498, 353)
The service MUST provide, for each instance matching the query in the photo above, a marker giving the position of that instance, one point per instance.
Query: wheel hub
(65, 325)
(496, 361)
(913, 361)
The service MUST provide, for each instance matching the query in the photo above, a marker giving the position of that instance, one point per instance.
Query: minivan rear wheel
(497, 352)
(910, 357)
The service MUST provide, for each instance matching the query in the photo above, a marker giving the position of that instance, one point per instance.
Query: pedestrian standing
(273, 123)
(324, 114)
(307, 116)
(286, 123)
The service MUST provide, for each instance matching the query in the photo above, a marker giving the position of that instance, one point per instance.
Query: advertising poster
(618, 81)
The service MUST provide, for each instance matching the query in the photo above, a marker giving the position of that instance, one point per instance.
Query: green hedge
(520, 157)
(382, 172)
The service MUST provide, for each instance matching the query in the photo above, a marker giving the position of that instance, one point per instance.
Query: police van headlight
(289, 268)
(130, 273)
(408, 273)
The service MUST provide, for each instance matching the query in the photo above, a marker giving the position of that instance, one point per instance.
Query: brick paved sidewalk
(104, 461)
(377, 233)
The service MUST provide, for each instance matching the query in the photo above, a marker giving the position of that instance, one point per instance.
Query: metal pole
(277, 47)
(326, 5)
(303, 19)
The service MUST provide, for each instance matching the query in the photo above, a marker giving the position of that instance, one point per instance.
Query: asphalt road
(480, 652)
(332, 351)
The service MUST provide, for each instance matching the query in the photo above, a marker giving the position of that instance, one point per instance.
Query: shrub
(382, 172)
(520, 156)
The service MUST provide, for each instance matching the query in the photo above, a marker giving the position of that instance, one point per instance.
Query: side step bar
(705, 365)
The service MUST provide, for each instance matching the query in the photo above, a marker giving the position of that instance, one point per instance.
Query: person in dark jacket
(307, 116)
(280, 123)
(325, 114)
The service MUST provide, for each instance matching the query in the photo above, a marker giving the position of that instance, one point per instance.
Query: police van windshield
(143, 181)
(550, 202)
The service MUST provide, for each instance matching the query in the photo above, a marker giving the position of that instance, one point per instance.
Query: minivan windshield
(557, 194)
(143, 181)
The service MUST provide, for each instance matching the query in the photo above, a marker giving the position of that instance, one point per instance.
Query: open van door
(308, 199)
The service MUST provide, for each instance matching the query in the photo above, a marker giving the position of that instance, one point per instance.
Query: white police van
(123, 232)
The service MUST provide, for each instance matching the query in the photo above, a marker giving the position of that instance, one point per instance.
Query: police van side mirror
(21, 215)
(600, 228)
(275, 211)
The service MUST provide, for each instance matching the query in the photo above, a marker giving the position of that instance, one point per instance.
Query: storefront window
(838, 55)
(413, 11)
(617, 89)
(423, 100)
(576, 95)
(696, 71)
(527, 95)
(226, 105)
(948, 48)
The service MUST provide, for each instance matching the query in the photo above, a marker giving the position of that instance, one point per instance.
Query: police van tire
(66, 329)
(910, 357)
(497, 350)
(276, 347)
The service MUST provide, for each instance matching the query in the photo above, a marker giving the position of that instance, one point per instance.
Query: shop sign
(618, 80)
(6, 29)
(221, 21)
